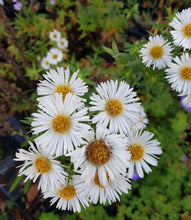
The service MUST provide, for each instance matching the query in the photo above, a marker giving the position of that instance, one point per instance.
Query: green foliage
(48, 216)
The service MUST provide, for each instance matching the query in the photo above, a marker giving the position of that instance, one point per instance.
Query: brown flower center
(97, 182)
(42, 165)
(98, 153)
(114, 107)
(61, 123)
(137, 152)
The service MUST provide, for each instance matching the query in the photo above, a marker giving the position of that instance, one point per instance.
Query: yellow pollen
(136, 152)
(62, 42)
(186, 73)
(98, 153)
(55, 35)
(54, 56)
(97, 182)
(187, 30)
(46, 62)
(64, 89)
(60, 123)
(67, 193)
(42, 165)
(156, 52)
(114, 107)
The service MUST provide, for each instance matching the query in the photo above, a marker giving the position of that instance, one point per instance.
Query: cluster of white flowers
(157, 53)
(54, 55)
(102, 137)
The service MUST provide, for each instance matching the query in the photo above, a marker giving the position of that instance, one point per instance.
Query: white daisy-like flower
(54, 35)
(60, 125)
(102, 152)
(156, 52)
(62, 43)
(61, 81)
(45, 63)
(142, 150)
(182, 28)
(143, 120)
(68, 196)
(179, 73)
(116, 106)
(54, 56)
(38, 163)
(109, 193)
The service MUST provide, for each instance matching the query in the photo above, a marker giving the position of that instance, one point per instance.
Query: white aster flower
(68, 196)
(38, 163)
(54, 56)
(156, 52)
(61, 125)
(62, 43)
(116, 106)
(109, 193)
(54, 35)
(102, 152)
(142, 150)
(182, 25)
(45, 63)
(143, 120)
(61, 81)
(179, 73)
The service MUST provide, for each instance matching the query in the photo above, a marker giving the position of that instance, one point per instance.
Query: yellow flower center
(67, 193)
(54, 56)
(62, 42)
(61, 123)
(97, 182)
(114, 107)
(187, 30)
(55, 35)
(186, 73)
(156, 52)
(98, 153)
(136, 152)
(42, 165)
(64, 89)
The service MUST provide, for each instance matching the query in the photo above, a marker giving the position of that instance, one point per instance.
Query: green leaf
(179, 122)
(48, 216)
(15, 183)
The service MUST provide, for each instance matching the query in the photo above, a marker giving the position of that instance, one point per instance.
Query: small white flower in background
(1, 2)
(143, 120)
(54, 56)
(54, 35)
(68, 196)
(179, 73)
(61, 125)
(156, 52)
(102, 152)
(45, 63)
(41, 164)
(62, 43)
(115, 103)
(109, 193)
(61, 81)
(182, 28)
(143, 150)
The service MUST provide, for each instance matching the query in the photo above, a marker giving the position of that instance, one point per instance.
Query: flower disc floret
(67, 193)
(98, 153)
(137, 152)
(186, 73)
(114, 107)
(61, 123)
(42, 165)
(156, 52)
(64, 89)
